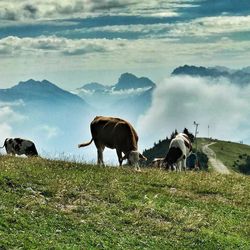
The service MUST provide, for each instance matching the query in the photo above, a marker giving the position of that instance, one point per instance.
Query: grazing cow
(20, 146)
(179, 149)
(114, 133)
(158, 162)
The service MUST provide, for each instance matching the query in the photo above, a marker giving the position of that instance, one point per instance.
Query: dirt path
(217, 164)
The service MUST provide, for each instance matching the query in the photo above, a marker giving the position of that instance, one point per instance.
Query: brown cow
(114, 133)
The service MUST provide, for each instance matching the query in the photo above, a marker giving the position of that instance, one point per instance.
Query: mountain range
(126, 81)
(40, 91)
(241, 76)
(58, 119)
(42, 111)
(130, 97)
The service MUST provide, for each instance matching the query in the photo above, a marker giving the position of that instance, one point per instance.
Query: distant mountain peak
(198, 71)
(46, 82)
(30, 81)
(130, 81)
(241, 76)
(36, 85)
(126, 81)
(127, 76)
(93, 86)
(44, 91)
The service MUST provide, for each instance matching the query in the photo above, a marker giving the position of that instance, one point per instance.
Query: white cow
(20, 146)
(179, 149)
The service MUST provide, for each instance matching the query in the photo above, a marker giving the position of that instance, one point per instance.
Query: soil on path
(217, 164)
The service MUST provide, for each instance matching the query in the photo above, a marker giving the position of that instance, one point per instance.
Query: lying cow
(179, 149)
(158, 163)
(20, 146)
(114, 133)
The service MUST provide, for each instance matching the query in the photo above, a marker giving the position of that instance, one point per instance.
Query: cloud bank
(5, 132)
(179, 101)
(14, 46)
(8, 117)
(48, 9)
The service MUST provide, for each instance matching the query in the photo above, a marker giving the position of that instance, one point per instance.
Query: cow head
(158, 163)
(190, 135)
(134, 157)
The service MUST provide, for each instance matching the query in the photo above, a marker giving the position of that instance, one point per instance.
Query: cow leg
(178, 167)
(99, 156)
(119, 154)
(183, 163)
(137, 167)
(100, 150)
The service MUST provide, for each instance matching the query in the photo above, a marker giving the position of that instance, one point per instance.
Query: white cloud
(206, 26)
(64, 58)
(5, 132)
(49, 131)
(11, 104)
(113, 50)
(8, 117)
(24, 12)
(128, 92)
(202, 28)
(13, 46)
(178, 101)
(141, 30)
(51, 9)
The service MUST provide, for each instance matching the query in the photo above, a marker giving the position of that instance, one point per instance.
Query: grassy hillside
(159, 149)
(233, 155)
(59, 205)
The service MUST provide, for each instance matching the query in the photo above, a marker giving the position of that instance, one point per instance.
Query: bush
(245, 167)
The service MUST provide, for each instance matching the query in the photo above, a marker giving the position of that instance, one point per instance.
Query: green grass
(60, 205)
(229, 152)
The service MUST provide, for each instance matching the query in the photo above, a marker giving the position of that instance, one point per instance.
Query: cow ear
(142, 157)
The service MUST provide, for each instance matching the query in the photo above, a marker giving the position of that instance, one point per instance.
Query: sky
(73, 42)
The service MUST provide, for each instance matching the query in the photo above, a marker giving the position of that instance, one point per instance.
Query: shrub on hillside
(245, 167)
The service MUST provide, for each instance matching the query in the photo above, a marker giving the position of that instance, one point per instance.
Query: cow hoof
(138, 170)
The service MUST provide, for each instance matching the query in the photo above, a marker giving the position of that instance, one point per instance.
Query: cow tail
(85, 144)
(4, 144)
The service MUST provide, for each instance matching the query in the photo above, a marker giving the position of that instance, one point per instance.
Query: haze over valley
(57, 120)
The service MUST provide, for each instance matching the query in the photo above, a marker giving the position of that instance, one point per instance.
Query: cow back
(20, 146)
(114, 133)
